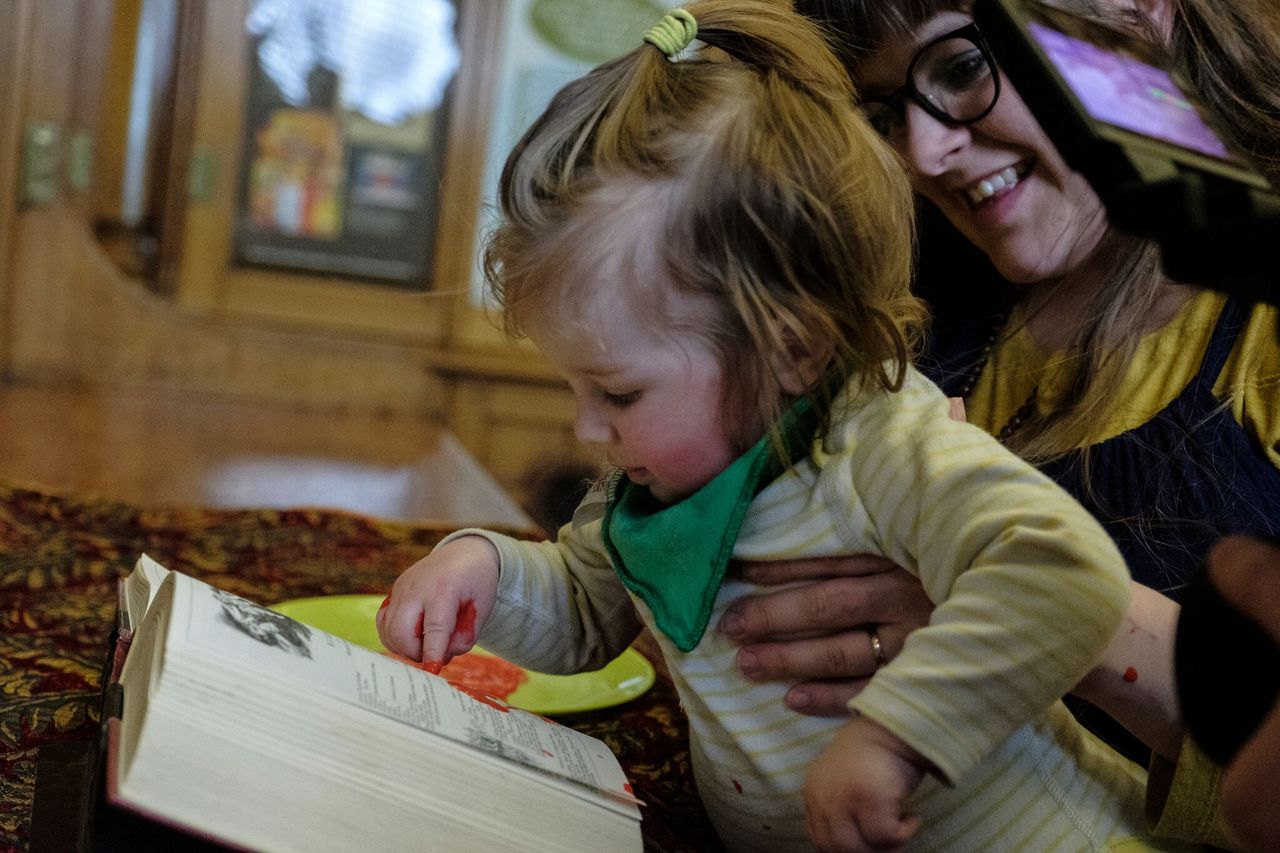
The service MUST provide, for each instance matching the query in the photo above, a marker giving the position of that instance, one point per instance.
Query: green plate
(625, 677)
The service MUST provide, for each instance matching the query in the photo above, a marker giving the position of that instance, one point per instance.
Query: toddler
(714, 249)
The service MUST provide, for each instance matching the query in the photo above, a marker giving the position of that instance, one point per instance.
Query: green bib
(674, 556)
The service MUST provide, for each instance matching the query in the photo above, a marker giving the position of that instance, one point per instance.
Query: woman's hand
(820, 634)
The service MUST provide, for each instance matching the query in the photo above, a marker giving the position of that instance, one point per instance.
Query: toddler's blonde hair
(764, 194)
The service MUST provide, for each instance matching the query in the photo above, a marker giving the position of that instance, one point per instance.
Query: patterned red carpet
(60, 557)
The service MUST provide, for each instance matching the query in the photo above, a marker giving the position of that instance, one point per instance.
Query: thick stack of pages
(241, 724)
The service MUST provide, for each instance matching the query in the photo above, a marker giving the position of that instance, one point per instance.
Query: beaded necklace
(970, 380)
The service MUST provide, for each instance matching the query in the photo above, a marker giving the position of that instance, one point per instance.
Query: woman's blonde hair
(766, 196)
(1230, 52)
(1219, 46)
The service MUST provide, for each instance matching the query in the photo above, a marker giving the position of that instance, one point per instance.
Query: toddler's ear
(800, 367)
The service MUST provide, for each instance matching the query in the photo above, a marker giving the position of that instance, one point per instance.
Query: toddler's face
(652, 398)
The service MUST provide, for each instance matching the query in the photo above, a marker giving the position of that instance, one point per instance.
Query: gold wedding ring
(877, 649)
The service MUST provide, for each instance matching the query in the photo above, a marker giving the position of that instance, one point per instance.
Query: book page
(241, 632)
(138, 591)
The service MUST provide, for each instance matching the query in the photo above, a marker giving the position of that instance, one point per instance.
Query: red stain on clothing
(737, 786)
(1130, 675)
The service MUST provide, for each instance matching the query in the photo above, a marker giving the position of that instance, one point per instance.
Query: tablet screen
(1128, 93)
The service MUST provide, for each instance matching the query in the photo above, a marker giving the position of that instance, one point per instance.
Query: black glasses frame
(897, 99)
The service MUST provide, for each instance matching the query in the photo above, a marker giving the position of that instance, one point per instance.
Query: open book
(238, 723)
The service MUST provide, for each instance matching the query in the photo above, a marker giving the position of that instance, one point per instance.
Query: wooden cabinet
(197, 319)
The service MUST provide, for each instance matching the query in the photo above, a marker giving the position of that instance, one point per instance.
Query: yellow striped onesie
(1028, 591)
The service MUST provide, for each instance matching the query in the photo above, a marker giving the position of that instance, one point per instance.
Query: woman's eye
(621, 400)
(966, 69)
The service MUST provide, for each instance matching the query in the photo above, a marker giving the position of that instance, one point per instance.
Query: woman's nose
(930, 144)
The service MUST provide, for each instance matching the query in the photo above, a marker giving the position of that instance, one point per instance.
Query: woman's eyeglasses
(953, 78)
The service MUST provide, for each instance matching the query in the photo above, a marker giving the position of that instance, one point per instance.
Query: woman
(1091, 364)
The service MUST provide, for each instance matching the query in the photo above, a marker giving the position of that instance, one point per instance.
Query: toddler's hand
(438, 605)
(855, 791)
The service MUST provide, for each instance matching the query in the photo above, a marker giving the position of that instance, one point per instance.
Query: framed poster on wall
(344, 136)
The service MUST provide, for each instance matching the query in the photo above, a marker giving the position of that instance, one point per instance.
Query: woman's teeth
(1006, 179)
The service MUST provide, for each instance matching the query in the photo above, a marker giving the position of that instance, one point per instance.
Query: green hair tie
(673, 33)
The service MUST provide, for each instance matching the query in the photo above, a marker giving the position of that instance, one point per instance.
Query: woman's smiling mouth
(996, 184)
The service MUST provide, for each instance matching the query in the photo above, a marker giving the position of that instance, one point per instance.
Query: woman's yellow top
(1166, 360)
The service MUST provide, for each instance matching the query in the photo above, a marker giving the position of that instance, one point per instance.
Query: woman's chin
(1025, 268)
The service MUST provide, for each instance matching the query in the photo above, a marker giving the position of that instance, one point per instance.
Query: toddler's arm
(1030, 589)
(438, 605)
(855, 790)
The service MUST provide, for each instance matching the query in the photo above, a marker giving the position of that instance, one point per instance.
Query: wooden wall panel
(15, 20)
(39, 314)
(517, 430)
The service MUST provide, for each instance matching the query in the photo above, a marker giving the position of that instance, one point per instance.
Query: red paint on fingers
(464, 629)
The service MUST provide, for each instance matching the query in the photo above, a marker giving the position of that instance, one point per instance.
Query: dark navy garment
(1170, 488)
(1166, 490)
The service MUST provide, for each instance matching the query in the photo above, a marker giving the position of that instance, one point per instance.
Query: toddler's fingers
(439, 623)
(836, 835)
(463, 637)
(887, 830)
(398, 629)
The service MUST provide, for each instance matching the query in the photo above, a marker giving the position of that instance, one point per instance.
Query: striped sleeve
(560, 606)
(1029, 588)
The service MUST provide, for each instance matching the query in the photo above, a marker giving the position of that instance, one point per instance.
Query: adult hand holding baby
(804, 633)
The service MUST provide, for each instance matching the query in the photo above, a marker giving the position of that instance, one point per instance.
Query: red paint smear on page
(476, 673)
(481, 696)
(488, 674)
(1130, 675)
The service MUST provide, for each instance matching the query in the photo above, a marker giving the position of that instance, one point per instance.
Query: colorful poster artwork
(385, 179)
(297, 175)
